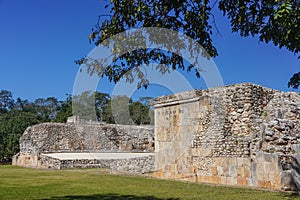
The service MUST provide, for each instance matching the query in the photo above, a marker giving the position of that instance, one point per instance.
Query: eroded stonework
(243, 134)
(84, 137)
(40, 141)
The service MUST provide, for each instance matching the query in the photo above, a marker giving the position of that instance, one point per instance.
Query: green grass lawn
(23, 183)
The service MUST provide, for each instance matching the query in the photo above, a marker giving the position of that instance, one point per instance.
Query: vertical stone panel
(241, 134)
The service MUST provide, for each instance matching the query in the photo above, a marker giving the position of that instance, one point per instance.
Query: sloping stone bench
(125, 162)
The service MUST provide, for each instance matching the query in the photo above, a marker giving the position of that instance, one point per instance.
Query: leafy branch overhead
(272, 21)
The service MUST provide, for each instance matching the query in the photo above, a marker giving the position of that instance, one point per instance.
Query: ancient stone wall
(143, 164)
(242, 134)
(70, 137)
(40, 140)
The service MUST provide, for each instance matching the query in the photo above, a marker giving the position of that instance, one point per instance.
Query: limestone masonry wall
(134, 165)
(40, 140)
(70, 137)
(242, 134)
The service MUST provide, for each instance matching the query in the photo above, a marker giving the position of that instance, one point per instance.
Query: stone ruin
(242, 135)
(86, 144)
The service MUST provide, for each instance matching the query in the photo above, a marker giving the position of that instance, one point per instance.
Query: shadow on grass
(111, 197)
(292, 195)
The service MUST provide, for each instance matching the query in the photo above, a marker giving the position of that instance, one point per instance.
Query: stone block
(214, 171)
(268, 157)
(220, 171)
(204, 179)
(296, 148)
(289, 181)
(231, 181)
(242, 181)
(232, 161)
(240, 171)
(247, 172)
(226, 170)
(216, 179)
(268, 184)
(261, 184)
(233, 171)
(224, 162)
(223, 180)
(201, 152)
(260, 174)
(246, 162)
(218, 161)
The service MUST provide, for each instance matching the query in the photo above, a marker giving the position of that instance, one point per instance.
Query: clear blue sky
(39, 41)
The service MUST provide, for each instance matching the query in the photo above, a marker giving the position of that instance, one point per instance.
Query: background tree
(123, 110)
(90, 105)
(17, 115)
(272, 21)
(139, 113)
(64, 110)
(83, 105)
(12, 126)
(46, 108)
(24, 105)
(106, 114)
(101, 103)
(120, 109)
(6, 101)
(145, 100)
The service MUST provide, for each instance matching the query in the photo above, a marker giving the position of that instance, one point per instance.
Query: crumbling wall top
(194, 95)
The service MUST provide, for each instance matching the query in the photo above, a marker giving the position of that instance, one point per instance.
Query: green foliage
(101, 100)
(139, 113)
(295, 81)
(272, 21)
(83, 105)
(46, 108)
(188, 17)
(12, 126)
(6, 101)
(65, 110)
(24, 183)
(120, 109)
(89, 105)
(106, 114)
(16, 116)
(123, 110)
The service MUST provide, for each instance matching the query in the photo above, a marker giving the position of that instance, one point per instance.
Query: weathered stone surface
(70, 137)
(39, 141)
(138, 164)
(241, 134)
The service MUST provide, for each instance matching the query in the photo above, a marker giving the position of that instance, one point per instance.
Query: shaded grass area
(23, 183)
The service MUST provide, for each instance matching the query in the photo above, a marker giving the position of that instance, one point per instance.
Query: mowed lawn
(23, 183)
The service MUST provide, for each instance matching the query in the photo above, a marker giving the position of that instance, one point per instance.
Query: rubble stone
(242, 134)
